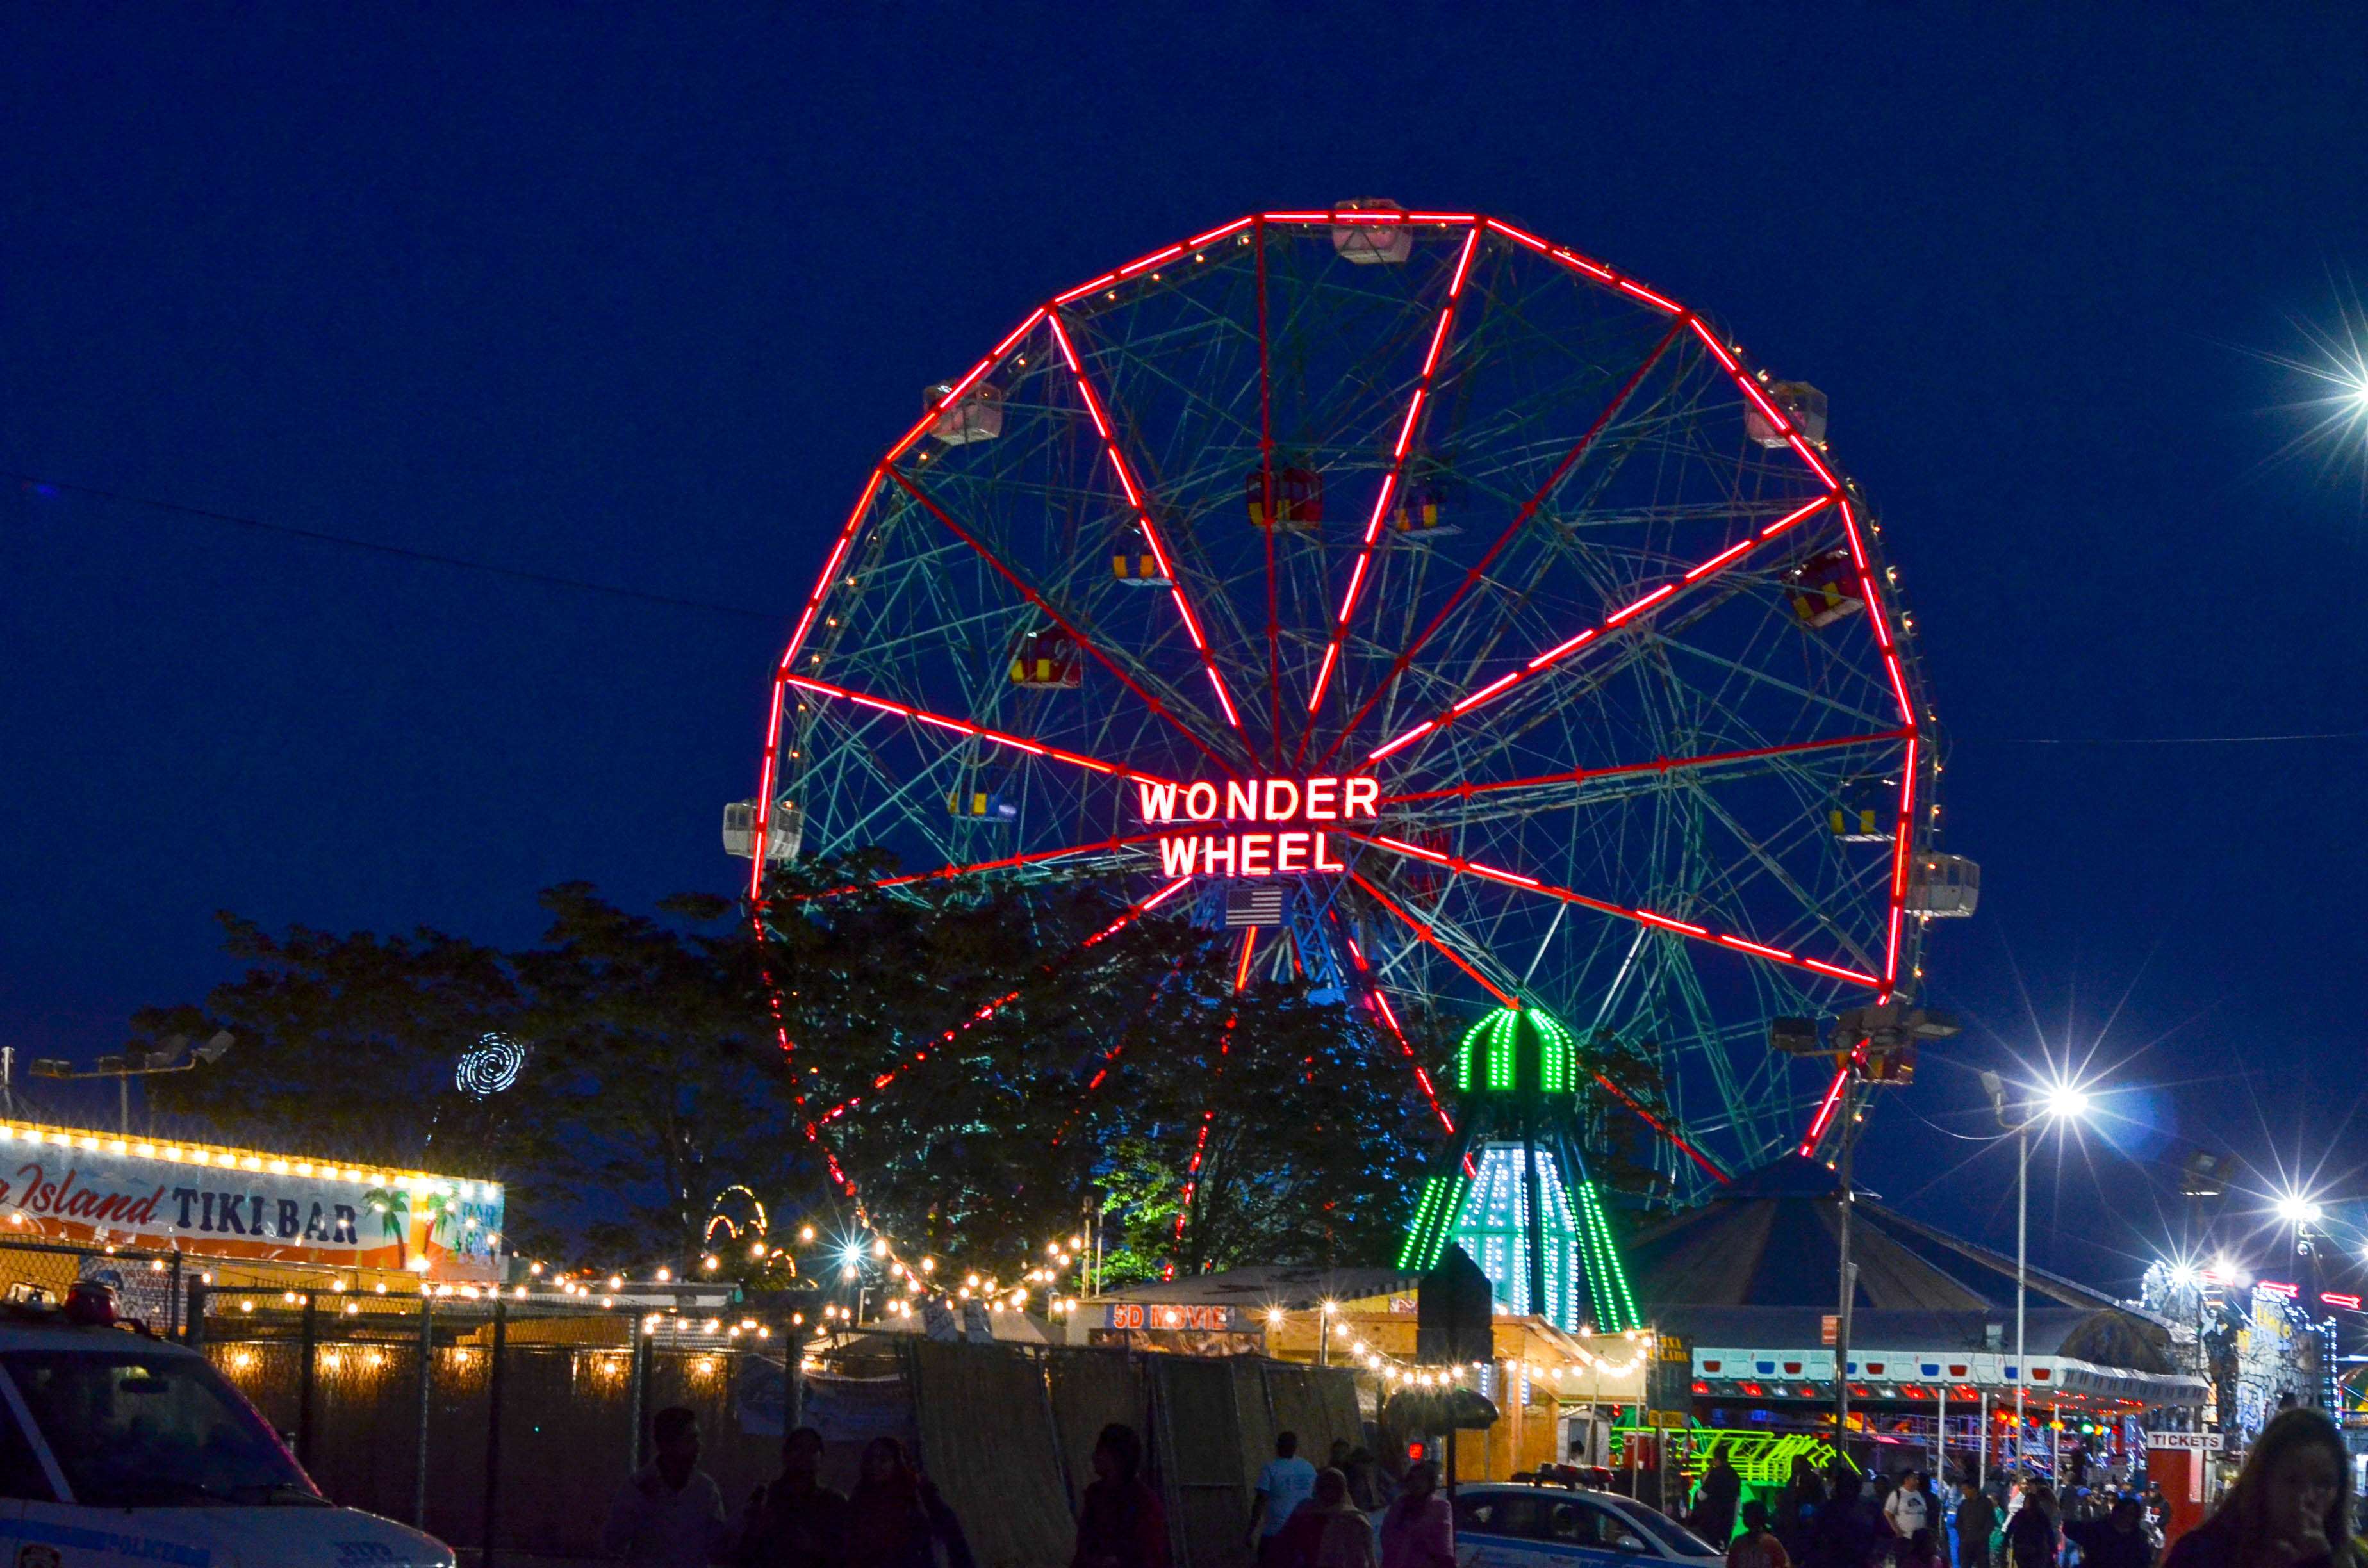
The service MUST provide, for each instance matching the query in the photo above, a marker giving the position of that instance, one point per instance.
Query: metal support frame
(308, 1350)
(490, 1519)
(424, 1403)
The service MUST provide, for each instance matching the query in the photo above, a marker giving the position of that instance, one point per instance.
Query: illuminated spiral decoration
(488, 1067)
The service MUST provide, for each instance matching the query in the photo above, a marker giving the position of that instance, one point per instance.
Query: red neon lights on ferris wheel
(1825, 1112)
(1397, 475)
(1424, 930)
(1472, 577)
(1618, 618)
(1465, 791)
(928, 504)
(1361, 578)
(976, 731)
(1142, 520)
(1629, 285)
(1603, 907)
(1903, 840)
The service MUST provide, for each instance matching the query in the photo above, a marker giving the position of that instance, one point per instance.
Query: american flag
(1254, 903)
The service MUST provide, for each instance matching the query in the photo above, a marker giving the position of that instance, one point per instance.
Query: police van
(119, 1447)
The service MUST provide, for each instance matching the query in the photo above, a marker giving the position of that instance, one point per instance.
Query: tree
(648, 1076)
(333, 1030)
(655, 1087)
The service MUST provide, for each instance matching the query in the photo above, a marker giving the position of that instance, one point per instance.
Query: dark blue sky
(637, 297)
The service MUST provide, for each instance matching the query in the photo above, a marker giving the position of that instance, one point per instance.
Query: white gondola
(1372, 245)
(783, 833)
(1943, 886)
(1802, 403)
(977, 417)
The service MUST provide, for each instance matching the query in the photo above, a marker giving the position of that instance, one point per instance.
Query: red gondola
(1298, 498)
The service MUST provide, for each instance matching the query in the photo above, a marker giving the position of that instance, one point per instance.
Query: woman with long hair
(1418, 1531)
(1121, 1523)
(2291, 1505)
(895, 1517)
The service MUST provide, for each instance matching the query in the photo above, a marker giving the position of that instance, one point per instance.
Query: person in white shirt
(1284, 1483)
(1910, 1508)
(671, 1513)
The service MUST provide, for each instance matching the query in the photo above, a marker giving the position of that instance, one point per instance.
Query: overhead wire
(2160, 740)
(40, 486)
(37, 485)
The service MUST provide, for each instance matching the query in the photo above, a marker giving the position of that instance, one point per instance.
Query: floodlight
(2064, 1102)
(2296, 1209)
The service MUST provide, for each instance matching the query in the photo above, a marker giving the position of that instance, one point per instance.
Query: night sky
(635, 297)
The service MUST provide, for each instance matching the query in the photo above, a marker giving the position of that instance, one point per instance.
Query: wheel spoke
(1065, 623)
(1389, 481)
(1381, 1001)
(1463, 867)
(1266, 483)
(1658, 766)
(978, 868)
(1521, 519)
(1142, 520)
(976, 731)
(1422, 929)
(1055, 966)
(1619, 617)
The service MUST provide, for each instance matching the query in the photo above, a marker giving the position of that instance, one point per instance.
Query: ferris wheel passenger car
(1507, 1525)
(116, 1447)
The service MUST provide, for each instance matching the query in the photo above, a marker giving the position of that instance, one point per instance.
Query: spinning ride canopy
(1419, 498)
(1511, 1187)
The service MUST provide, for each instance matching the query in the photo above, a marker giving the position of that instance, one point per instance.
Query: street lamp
(2296, 1209)
(2059, 1102)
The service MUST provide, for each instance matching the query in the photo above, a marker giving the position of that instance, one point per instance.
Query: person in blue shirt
(1284, 1483)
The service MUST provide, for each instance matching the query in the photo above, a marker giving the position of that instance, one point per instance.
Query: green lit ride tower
(1511, 1188)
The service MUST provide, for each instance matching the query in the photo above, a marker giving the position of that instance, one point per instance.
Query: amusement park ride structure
(1461, 622)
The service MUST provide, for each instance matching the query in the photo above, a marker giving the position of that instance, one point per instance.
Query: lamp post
(139, 1063)
(2061, 1102)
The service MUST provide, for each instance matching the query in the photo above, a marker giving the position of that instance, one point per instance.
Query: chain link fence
(508, 1427)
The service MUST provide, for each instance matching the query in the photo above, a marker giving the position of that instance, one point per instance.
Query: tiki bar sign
(1250, 823)
(66, 1185)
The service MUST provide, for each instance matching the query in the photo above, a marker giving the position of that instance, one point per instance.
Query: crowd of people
(2289, 1507)
(671, 1514)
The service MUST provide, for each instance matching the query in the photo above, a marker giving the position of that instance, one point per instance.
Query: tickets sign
(218, 1203)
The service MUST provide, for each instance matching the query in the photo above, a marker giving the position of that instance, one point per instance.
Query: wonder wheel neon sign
(1269, 848)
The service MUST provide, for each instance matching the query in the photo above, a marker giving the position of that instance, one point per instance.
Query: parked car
(1508, 1524)
(117, 1445)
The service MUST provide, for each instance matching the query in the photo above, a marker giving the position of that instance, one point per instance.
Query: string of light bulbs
(1394, 1370)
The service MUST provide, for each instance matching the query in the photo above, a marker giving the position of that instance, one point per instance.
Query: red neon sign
(2351, 1303)
(1269, 849)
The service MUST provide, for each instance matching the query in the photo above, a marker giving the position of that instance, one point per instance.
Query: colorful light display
(1514, 1192)
(1551, 625)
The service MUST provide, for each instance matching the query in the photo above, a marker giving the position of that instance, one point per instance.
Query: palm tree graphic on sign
(393, 1206)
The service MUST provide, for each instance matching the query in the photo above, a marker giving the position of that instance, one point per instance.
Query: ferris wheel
(1460, 620)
